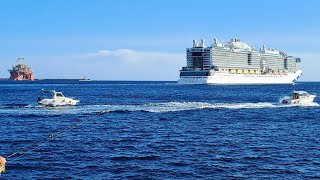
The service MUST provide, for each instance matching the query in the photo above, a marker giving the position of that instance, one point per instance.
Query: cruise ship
(236, 62)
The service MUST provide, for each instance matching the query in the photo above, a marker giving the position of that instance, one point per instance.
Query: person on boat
(2, 164)
(39, 99)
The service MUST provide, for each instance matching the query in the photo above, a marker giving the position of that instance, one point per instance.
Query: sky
(146, 39)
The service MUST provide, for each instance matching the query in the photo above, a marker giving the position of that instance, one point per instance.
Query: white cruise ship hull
(236, 79)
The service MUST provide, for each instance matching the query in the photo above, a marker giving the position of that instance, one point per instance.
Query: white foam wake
(183, 106)
(151, 107)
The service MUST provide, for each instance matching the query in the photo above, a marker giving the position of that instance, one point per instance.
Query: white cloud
(127, 64)
(129, 55)
(102, 53)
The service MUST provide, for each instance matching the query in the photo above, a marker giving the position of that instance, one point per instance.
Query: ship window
(196, 53)
(285, 63)
(197, 62)
(194, 73)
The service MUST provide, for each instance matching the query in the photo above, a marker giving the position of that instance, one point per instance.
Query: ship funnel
(195, 43)
(233, 40)
(264, 47)
(202, 43)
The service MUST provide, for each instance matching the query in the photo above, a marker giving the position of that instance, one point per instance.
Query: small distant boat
(58, 99)
(85, 79)
(299, 97)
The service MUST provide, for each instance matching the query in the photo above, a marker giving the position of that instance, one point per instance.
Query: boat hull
(303, 100)
(238, 79)
(54, 103)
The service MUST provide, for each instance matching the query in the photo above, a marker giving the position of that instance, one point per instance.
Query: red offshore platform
(21, 71)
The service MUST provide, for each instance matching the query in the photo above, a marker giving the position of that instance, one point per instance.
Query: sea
(159, 130)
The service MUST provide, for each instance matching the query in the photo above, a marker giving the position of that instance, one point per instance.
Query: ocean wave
(13, 106)
(130, 158)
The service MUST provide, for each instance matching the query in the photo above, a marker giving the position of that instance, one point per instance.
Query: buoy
(3, 162)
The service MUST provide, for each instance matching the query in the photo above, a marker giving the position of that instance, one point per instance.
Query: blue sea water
(159, 130)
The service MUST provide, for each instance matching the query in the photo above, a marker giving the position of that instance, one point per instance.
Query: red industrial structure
(21, 71)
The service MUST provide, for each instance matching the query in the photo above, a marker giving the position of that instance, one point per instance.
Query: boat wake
(151, 107)
(283, 98)
(184, 106)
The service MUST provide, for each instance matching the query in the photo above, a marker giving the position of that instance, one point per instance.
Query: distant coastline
(7, 80)
(76, 81)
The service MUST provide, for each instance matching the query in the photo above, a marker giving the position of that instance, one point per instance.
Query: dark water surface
(160, 130)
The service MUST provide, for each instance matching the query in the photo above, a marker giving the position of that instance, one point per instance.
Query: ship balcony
(188, 69)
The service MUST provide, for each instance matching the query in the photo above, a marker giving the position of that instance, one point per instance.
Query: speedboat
(58, 99)
(299, 97)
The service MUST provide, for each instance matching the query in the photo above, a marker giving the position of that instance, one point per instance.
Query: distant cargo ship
(21, 71)
(237, 63)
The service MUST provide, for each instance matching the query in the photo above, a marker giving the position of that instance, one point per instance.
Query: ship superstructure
(21, 71)
(237, 63)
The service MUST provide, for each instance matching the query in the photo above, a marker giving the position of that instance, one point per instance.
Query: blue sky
(144, 39)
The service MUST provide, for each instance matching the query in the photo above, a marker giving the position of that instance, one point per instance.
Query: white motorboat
(58, 99)
(299, 97)
(85, 79)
